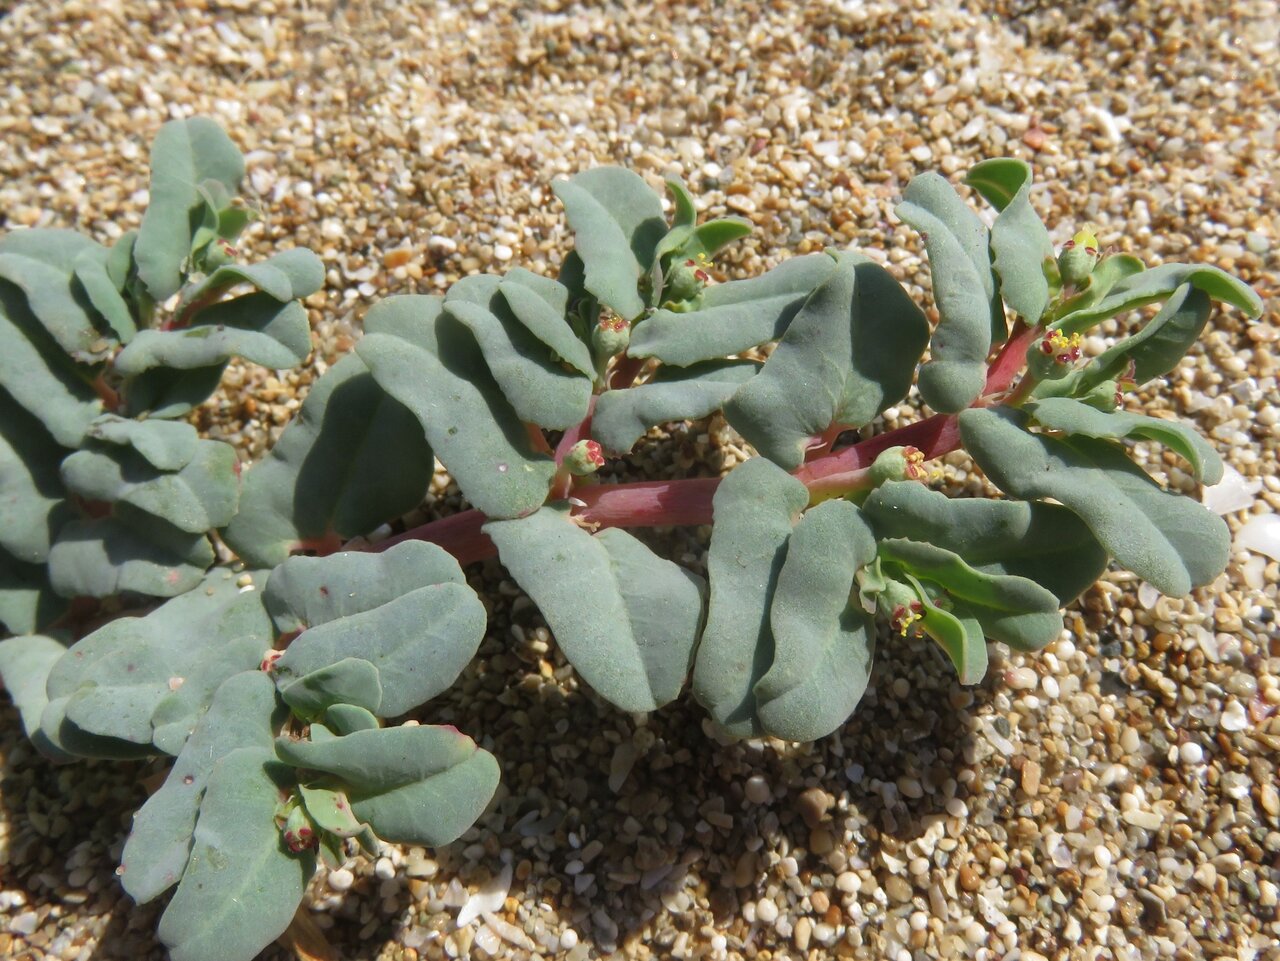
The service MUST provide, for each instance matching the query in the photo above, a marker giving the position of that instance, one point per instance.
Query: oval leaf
(822, 645)
(754, 508)
(1019, 241)
(850, 353)
(634, 641)
(294, 497)
(430, 363)
(733, 317)
(1171, 541)
(963, 287)
(241, 886)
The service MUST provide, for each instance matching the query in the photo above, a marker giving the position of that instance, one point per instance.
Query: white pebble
(849, 883)
(1191, 753)
(767, 910)
(503, 252)
(341, 879)
(1234, 717)
(384, 869)
(568, 938)
(1102, 854)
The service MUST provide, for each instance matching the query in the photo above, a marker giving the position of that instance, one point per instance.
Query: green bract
(270, 678)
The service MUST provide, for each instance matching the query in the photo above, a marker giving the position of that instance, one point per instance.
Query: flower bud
(300, 832)
(1079, 256)
(686, 278)
(611, 336)
(1063, 349)
(585, 457)
(897, 463)
(902, 606)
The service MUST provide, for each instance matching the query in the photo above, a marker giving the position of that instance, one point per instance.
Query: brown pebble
(1031, 778)
(821, 842)
(814, 805)
(398, 257)
(970, 879)
(820, 901)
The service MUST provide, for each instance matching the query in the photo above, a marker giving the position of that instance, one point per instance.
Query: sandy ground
(1112, 797)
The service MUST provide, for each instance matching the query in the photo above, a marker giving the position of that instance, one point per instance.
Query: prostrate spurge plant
(108, 497)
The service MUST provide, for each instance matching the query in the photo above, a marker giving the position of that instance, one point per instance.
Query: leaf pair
(783, 652)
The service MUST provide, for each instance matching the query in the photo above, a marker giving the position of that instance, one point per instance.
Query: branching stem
(688, 502)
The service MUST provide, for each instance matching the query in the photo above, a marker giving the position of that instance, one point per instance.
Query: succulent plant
(270, 677)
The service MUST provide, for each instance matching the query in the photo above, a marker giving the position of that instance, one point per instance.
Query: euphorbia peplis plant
(269, 680)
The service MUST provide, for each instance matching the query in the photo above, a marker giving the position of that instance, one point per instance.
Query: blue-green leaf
(165, 444)
(733, 317)
(823, 645)
(408, 612)
(617, 221)
(1072, 417)
(184, 154)
(625, 618)
(1158, 283)
(536, 385)
(242, 714)
(288, 275)
(32, 504)
(1044, 542)
(200, 496)
(429, 362)
(41, 263)
(167, 392)
(27, 601)
(622, 417)
(540, 304)
(412, 785)
(39, 375)
(128, 551)
(1156, 349)
(1019, 241)
(754, 508)
(850, 353)
(241, 885)
(294, 496)
(1171, 541)
(256, 327)
(964, 289)
(351, 680)
(25, 663)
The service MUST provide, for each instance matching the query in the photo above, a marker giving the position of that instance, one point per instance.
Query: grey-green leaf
(625, 618)
(184, 154)
(242, 714)
(412, 785)
(241, 885)
(136, 674)
(309, 591)
(1011, 609)
(294, 496)
(199, 497)
(419, 640)
(754, 508)
(1159, 283)
(1171, 541)
(1019, 241)
(617, 221)
(41, 263)
(351, 680)
(823, 645)
(1156, 349)
(733, 317)
(533, 381)
(129, 551)
(25, 663)
(963, 287)
(32, 505)
(93, 274)
(850, 353)
(430, 363)
(622, 417)
(40, 376)
(27, 601)
(168, 392)
(288, 275)
(256, 327)
(1044, 542)
(165, 444)
(1072, 417)
(540, 305)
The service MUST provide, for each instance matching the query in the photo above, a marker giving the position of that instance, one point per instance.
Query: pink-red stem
(688, 502)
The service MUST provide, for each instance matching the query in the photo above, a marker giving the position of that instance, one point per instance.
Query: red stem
(688, 502)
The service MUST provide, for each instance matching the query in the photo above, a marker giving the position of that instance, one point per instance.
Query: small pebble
(341, 879)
